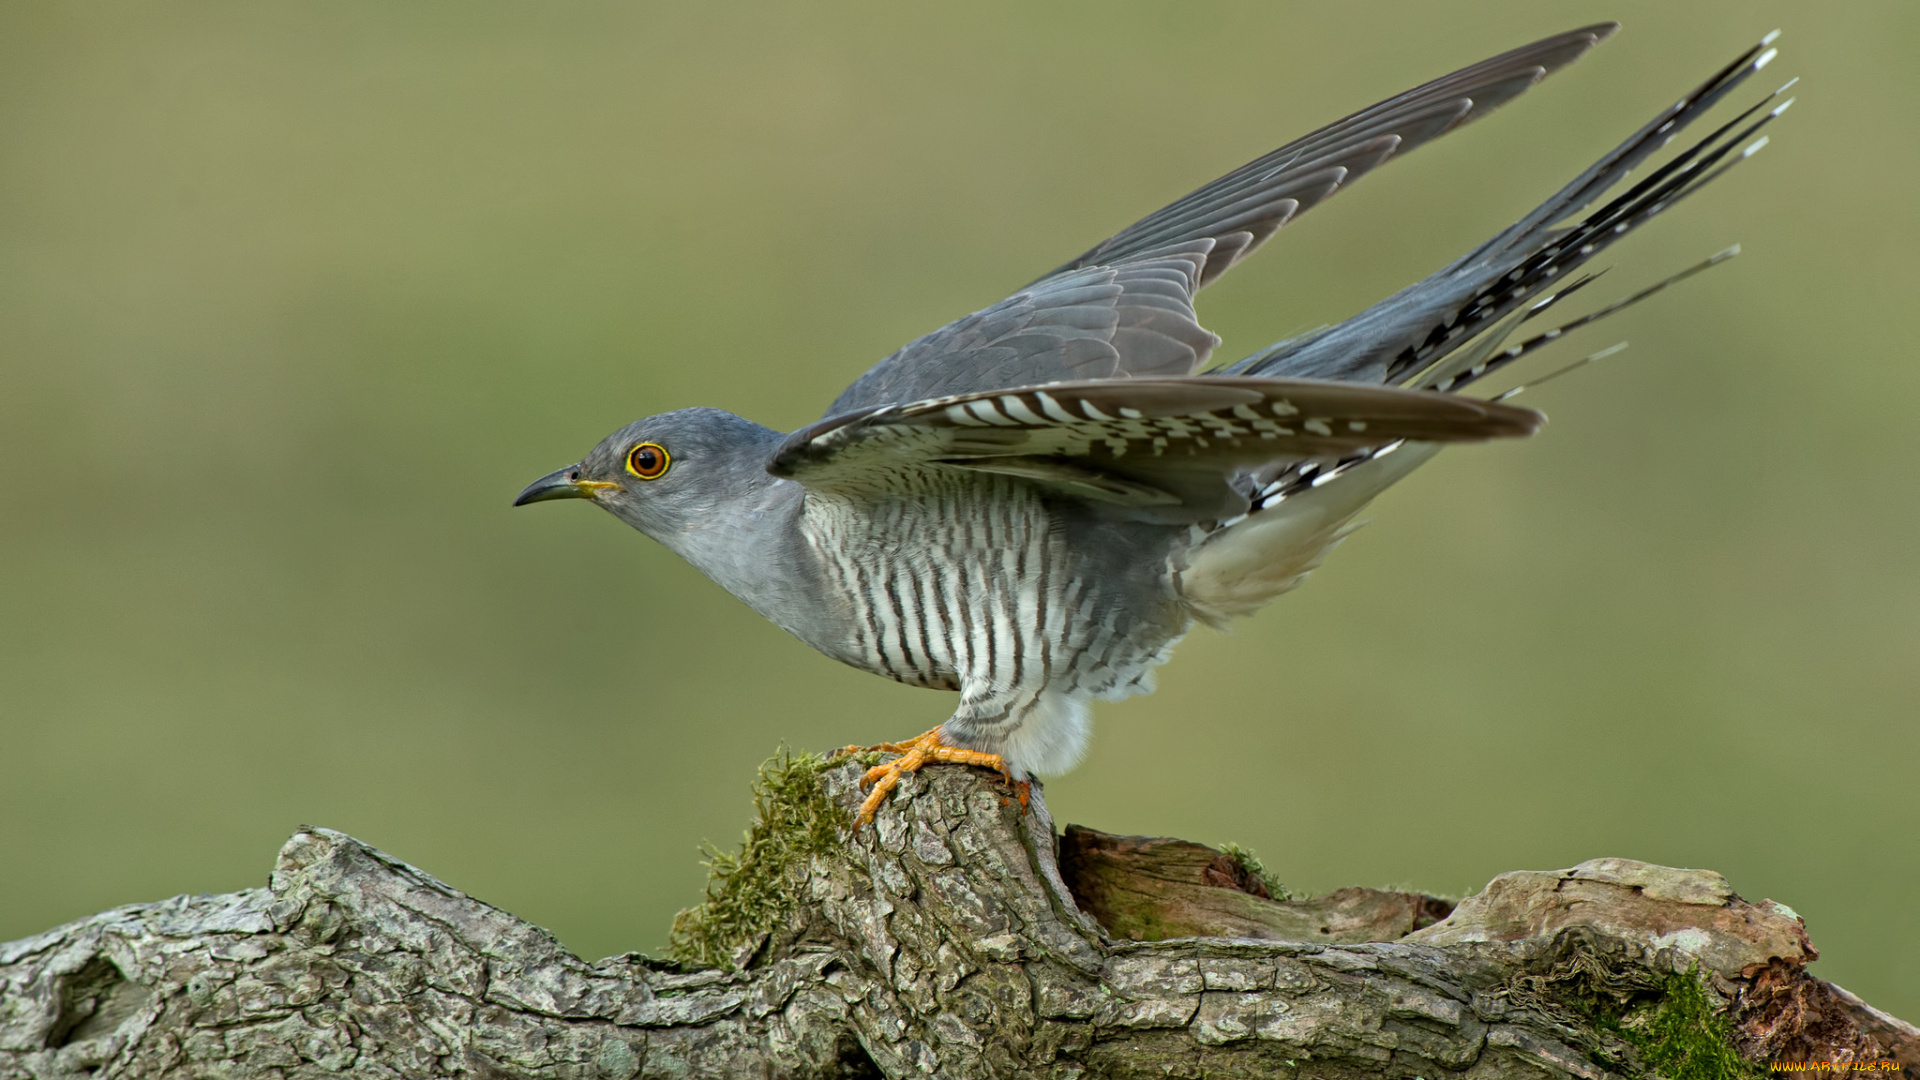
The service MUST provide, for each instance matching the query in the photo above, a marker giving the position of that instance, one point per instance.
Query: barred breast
(974, 583)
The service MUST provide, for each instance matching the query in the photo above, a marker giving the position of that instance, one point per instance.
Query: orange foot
(913, 754)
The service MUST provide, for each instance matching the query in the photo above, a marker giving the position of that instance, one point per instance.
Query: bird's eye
(648, 461)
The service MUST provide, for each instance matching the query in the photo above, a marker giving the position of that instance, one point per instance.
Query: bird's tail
(1419, 337)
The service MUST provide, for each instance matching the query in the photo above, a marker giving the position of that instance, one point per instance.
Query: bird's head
(668, 474)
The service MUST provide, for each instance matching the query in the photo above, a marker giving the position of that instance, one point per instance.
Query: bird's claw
(914, 753)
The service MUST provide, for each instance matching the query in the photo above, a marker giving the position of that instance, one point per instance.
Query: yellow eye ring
(649, 461)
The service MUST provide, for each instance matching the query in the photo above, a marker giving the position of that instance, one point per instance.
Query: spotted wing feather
(1168, 450)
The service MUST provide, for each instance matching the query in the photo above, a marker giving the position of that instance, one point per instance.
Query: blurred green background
(295, 297)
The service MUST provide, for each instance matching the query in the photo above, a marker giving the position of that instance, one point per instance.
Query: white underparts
(1051, 732)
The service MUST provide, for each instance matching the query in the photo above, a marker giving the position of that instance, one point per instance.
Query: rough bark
(942, 941)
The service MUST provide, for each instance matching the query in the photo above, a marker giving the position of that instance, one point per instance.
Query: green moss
(750, 891)
(1251, 865)
(1683, 1035)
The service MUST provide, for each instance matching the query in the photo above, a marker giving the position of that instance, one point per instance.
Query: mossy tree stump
(944, 941)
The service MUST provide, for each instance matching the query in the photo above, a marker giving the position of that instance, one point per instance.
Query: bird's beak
(562, 484)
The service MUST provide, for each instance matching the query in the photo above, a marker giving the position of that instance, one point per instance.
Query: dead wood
(943, 941)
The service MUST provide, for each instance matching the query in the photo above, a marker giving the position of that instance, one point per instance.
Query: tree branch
(942, 941)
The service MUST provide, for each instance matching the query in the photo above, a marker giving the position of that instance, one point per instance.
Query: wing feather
(1124, 308)
(1167, 450)
(1097, 323)
(1266, 193)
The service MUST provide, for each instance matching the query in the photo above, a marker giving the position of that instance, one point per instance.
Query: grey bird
(1032, 505)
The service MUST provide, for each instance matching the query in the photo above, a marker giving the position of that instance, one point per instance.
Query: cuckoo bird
(1032, 505)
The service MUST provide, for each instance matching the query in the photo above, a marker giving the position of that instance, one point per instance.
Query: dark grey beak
(561, 484)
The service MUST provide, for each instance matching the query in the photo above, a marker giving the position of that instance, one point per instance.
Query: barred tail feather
(1463, 369)
(1417, 328)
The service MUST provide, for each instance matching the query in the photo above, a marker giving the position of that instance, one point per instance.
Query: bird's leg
(913, 754)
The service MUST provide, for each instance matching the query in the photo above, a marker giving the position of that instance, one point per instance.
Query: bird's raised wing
(1099, 322)
(1262, 195)
(1168, 450)
(1125, 307)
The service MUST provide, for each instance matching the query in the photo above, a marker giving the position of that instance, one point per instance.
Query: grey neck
(750, 546)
